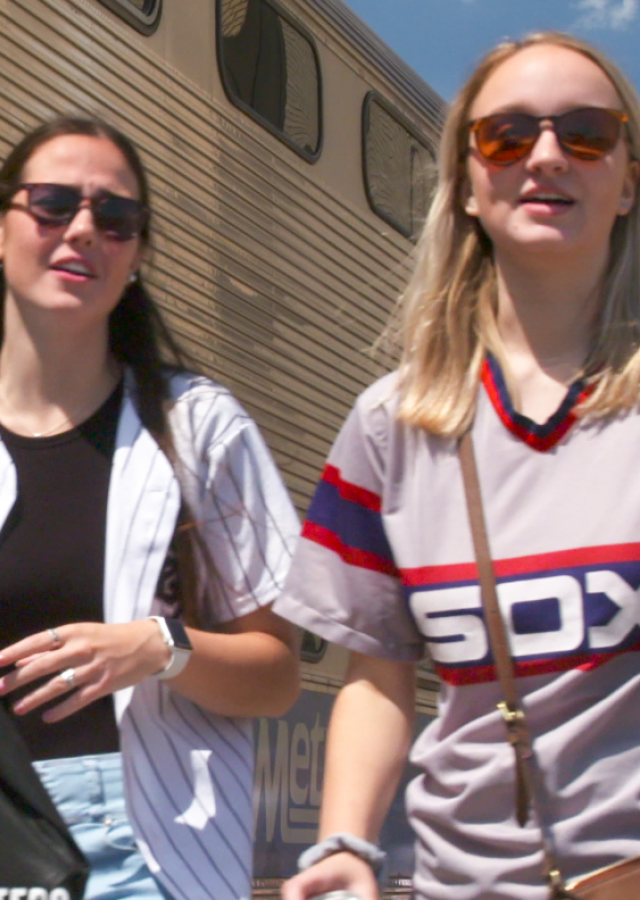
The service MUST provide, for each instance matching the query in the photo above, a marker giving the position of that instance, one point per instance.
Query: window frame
(316, 655)
(145, 23)
(390, 109)
(249, 110)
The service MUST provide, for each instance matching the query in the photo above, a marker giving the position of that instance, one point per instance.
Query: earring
(133, 278)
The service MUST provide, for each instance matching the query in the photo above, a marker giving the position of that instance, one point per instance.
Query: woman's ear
(136, 263)
(470, 205)
(629, 188)
(469, 199)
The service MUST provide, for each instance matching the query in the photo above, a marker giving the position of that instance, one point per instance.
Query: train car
(291, 155)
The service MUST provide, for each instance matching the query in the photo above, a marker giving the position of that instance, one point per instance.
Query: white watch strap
(179, 656)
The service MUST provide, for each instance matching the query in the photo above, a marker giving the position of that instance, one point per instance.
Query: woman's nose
(547, 151)
(83, 224)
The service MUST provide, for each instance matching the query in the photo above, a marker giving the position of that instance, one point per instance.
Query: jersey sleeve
(245, 516)
(344, 585)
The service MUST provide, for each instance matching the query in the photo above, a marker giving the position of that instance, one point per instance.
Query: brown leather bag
(620, 881)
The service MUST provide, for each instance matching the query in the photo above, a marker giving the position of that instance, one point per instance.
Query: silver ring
(55, 637)
(69, 675)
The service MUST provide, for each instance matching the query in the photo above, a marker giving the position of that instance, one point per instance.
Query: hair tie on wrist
(349, 843)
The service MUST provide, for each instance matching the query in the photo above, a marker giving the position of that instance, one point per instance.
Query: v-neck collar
(539, 436)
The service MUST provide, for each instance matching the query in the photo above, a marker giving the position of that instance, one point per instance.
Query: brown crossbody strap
(517, 729)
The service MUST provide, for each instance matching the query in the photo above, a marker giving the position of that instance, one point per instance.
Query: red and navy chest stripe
(572, 609)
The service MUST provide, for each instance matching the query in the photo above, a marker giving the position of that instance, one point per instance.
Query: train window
(142, 14)
(312, 647)
(399, 167)
(270, 69)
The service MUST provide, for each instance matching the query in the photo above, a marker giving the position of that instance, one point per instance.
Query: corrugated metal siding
(273, 283)
(377, 62)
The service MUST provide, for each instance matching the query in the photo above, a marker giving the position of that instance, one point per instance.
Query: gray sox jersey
(386, 567)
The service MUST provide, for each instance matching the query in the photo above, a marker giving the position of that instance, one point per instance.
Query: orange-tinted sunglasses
(587, 133)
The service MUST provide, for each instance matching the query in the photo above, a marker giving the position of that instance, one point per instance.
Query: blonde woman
(522, 323)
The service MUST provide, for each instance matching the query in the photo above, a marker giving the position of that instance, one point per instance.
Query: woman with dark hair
(144, 535)
(520, 334)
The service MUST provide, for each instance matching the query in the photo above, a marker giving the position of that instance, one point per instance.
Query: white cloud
(606, 13)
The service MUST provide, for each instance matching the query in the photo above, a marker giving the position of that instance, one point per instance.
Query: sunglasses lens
(119, 217)
(588, 133)
(505, 138)
(53, 204)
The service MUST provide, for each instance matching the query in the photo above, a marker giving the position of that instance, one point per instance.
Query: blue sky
(442, 39)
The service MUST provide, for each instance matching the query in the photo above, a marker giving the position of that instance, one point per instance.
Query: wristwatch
(176, 638)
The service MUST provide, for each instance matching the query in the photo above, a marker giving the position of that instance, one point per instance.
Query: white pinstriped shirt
(189, 773)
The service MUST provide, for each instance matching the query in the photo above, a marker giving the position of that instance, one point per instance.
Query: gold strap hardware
(555, 878)
(511, 716)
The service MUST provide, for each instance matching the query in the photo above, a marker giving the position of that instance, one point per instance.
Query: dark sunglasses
(588, 133)
(55, 205)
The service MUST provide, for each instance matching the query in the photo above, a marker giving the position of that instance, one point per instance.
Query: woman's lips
(547, 202)
(73, 269)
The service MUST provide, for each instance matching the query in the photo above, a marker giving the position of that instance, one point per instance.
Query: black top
(52, 553)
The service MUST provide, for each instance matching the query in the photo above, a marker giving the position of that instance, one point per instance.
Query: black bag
(37, 851)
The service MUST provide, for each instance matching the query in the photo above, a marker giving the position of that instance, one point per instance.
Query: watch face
(179, 634)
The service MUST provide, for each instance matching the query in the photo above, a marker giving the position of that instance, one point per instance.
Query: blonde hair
(448, 311)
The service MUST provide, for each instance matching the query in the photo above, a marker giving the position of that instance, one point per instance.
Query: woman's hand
(82, 662)
(249, 667)
(339, 872)
(369, 736)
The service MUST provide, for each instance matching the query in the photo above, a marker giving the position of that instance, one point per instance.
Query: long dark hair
(138, 335)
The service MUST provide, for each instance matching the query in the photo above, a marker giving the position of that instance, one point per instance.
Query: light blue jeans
(88, 793)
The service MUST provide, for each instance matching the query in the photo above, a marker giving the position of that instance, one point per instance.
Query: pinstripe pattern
(249, 527)
(245, 517)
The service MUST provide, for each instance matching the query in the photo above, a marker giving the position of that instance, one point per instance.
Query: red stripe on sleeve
(351, 555)
(349, 491)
